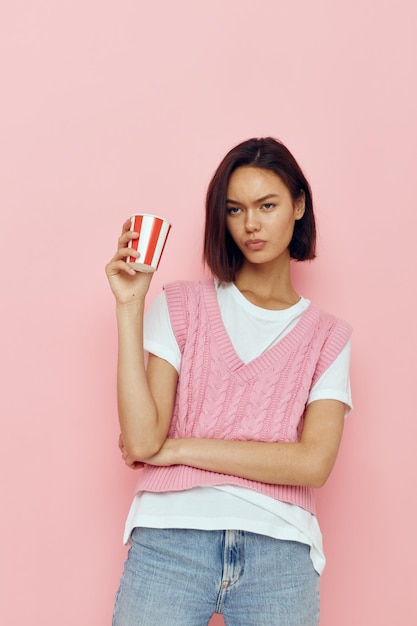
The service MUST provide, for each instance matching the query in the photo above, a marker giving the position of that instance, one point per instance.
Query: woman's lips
(255, 244)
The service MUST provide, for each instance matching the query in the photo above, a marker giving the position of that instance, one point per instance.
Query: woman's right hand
(127, 284)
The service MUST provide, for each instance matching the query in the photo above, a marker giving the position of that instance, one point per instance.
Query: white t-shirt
(252, 331)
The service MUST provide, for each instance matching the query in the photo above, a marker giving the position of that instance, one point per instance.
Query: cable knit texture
(221, 397)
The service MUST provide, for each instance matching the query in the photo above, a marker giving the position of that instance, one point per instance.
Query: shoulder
(182, 290)
(334, 334)
(331, 324)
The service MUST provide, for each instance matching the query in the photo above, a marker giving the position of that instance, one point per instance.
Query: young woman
(237, 417)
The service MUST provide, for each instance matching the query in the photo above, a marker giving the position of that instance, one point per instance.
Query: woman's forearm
(274, 463)
(144, 402)
(307, 462)
(137, 410)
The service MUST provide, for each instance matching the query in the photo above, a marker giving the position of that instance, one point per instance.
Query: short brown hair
(220, 253)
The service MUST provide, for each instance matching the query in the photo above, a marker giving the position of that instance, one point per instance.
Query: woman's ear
(300, 206)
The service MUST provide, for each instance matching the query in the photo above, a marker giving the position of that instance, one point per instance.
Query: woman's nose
(252, 221)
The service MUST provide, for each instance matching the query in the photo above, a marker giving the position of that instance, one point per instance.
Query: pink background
(112, 108)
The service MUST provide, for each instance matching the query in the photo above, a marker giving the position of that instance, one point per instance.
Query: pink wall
(109, 108)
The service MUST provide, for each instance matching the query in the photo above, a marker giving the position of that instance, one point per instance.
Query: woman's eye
(233, 210)
(268, 206)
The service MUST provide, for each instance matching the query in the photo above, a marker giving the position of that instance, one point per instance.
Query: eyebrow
(267, 197)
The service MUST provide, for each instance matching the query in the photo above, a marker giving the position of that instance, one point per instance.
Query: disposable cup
(153, 232)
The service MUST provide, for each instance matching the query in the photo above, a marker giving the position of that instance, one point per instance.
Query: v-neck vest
(221, 397)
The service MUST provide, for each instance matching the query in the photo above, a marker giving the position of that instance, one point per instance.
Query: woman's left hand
(130, 462)
(164, 456)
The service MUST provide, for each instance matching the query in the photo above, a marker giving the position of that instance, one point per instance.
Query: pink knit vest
(220, 397)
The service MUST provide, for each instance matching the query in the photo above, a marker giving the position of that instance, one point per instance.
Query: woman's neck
(266, 289)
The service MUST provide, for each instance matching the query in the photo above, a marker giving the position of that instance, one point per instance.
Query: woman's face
(261, 214)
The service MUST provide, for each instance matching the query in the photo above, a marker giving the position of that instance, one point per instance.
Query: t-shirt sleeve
(334, 383)
(159, 338)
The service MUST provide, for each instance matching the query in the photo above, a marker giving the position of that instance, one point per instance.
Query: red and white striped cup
(153, 232)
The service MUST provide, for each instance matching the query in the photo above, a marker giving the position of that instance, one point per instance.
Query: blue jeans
(175, 577)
